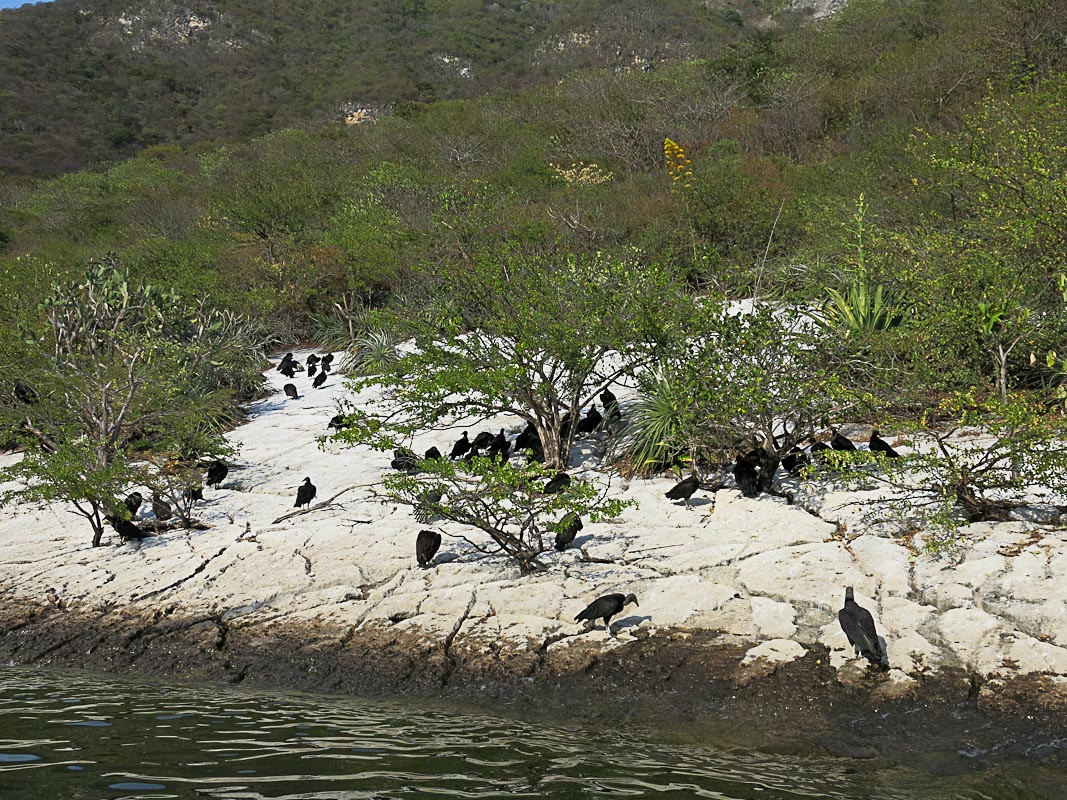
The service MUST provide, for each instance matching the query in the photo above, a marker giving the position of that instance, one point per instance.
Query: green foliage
(373, 353)
(503, 500)
(659, 427)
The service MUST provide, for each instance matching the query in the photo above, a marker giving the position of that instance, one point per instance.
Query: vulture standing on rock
(286, 360)
(461, 446)
(216, 474)
(572, 524)
(605, 608)
(326, 362)
(557, 484)
(337, 422)
(843, 443)
(161, 508)
(683, 490)
(433, 454)
(880, 445)
(290, 391)
(127, 529)
(426, 546)
(194, 493)
(858, 625)
(404, 460)
(311, 371)
(133, 502)
(591, 421)
(747, 475)
(305, 494)
(482, 440)
(611, 405)
(288, 369)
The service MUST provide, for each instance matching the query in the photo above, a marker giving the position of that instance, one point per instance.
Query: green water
(69, 735)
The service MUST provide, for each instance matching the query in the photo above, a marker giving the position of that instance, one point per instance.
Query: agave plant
(657, 435)
(859, 309)
(373, 353)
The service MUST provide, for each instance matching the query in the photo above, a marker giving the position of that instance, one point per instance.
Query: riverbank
(737, 617)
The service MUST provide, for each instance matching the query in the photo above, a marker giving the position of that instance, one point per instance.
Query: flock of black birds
(289, 366)
(127, 527)
(748, 472)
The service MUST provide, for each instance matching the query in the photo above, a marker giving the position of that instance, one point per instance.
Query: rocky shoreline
(736, 626)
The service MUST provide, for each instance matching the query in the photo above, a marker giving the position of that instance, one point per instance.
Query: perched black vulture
(605, 608)
(404, 460)
(528, 438)
(839, 442)
(25, 393)
(320, 379)
(611, 405)
(570, 525)
(161, 508)
(684, 489)
(305, 494)
(746, 473)
(482, 440)
(795, 461)
(880, 445)
(591, 421)
(432, 454)
(312, 360)
(337, 422)
(426, 546)
(558, 483)
(461, 446)
(858, 625)
(500, 447)
(288, 369)
(290, 391)
(819, 447)
(286, 359)
(133, 502)
(216, 474)
(326, 362)
(311, 371)
(194, 493)
(127, 529)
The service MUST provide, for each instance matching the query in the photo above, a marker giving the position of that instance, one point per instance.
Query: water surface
(71, 735)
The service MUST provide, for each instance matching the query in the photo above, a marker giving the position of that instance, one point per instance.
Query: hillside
(97, 80)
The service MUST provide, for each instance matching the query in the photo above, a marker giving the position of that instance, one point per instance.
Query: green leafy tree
(536, 338)
(111, 370)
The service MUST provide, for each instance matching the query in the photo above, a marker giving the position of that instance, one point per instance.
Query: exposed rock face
(335, 595)
(819, 8)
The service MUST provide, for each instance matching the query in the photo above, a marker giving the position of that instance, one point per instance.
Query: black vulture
(290, 391)
(568, 529)
(305, 494)
(482, 440)
(461, 446)
(127, 529)
(819, 447)
(194, 493)
(404, 460)
(747, 475)
(286, 359)
(319, 380)
(288, 369)
(326, 362)
(611, 405)
(795, 461)
(25, 393)
(312, 360)
(432, 454)
(591, 421)
(839, 442)
(880, 445)
(858, 625)
(605, 608)
(161, 508)
(558, 483)
(527, 439)
(337, 422)
(216, 474)
(500, 446)
(684, 489)
(426, 546)
(133, 502)
(311, 370)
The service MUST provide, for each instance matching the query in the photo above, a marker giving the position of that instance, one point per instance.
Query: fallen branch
(321, 505)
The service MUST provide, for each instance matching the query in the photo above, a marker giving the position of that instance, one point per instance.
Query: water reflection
(78, 736)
